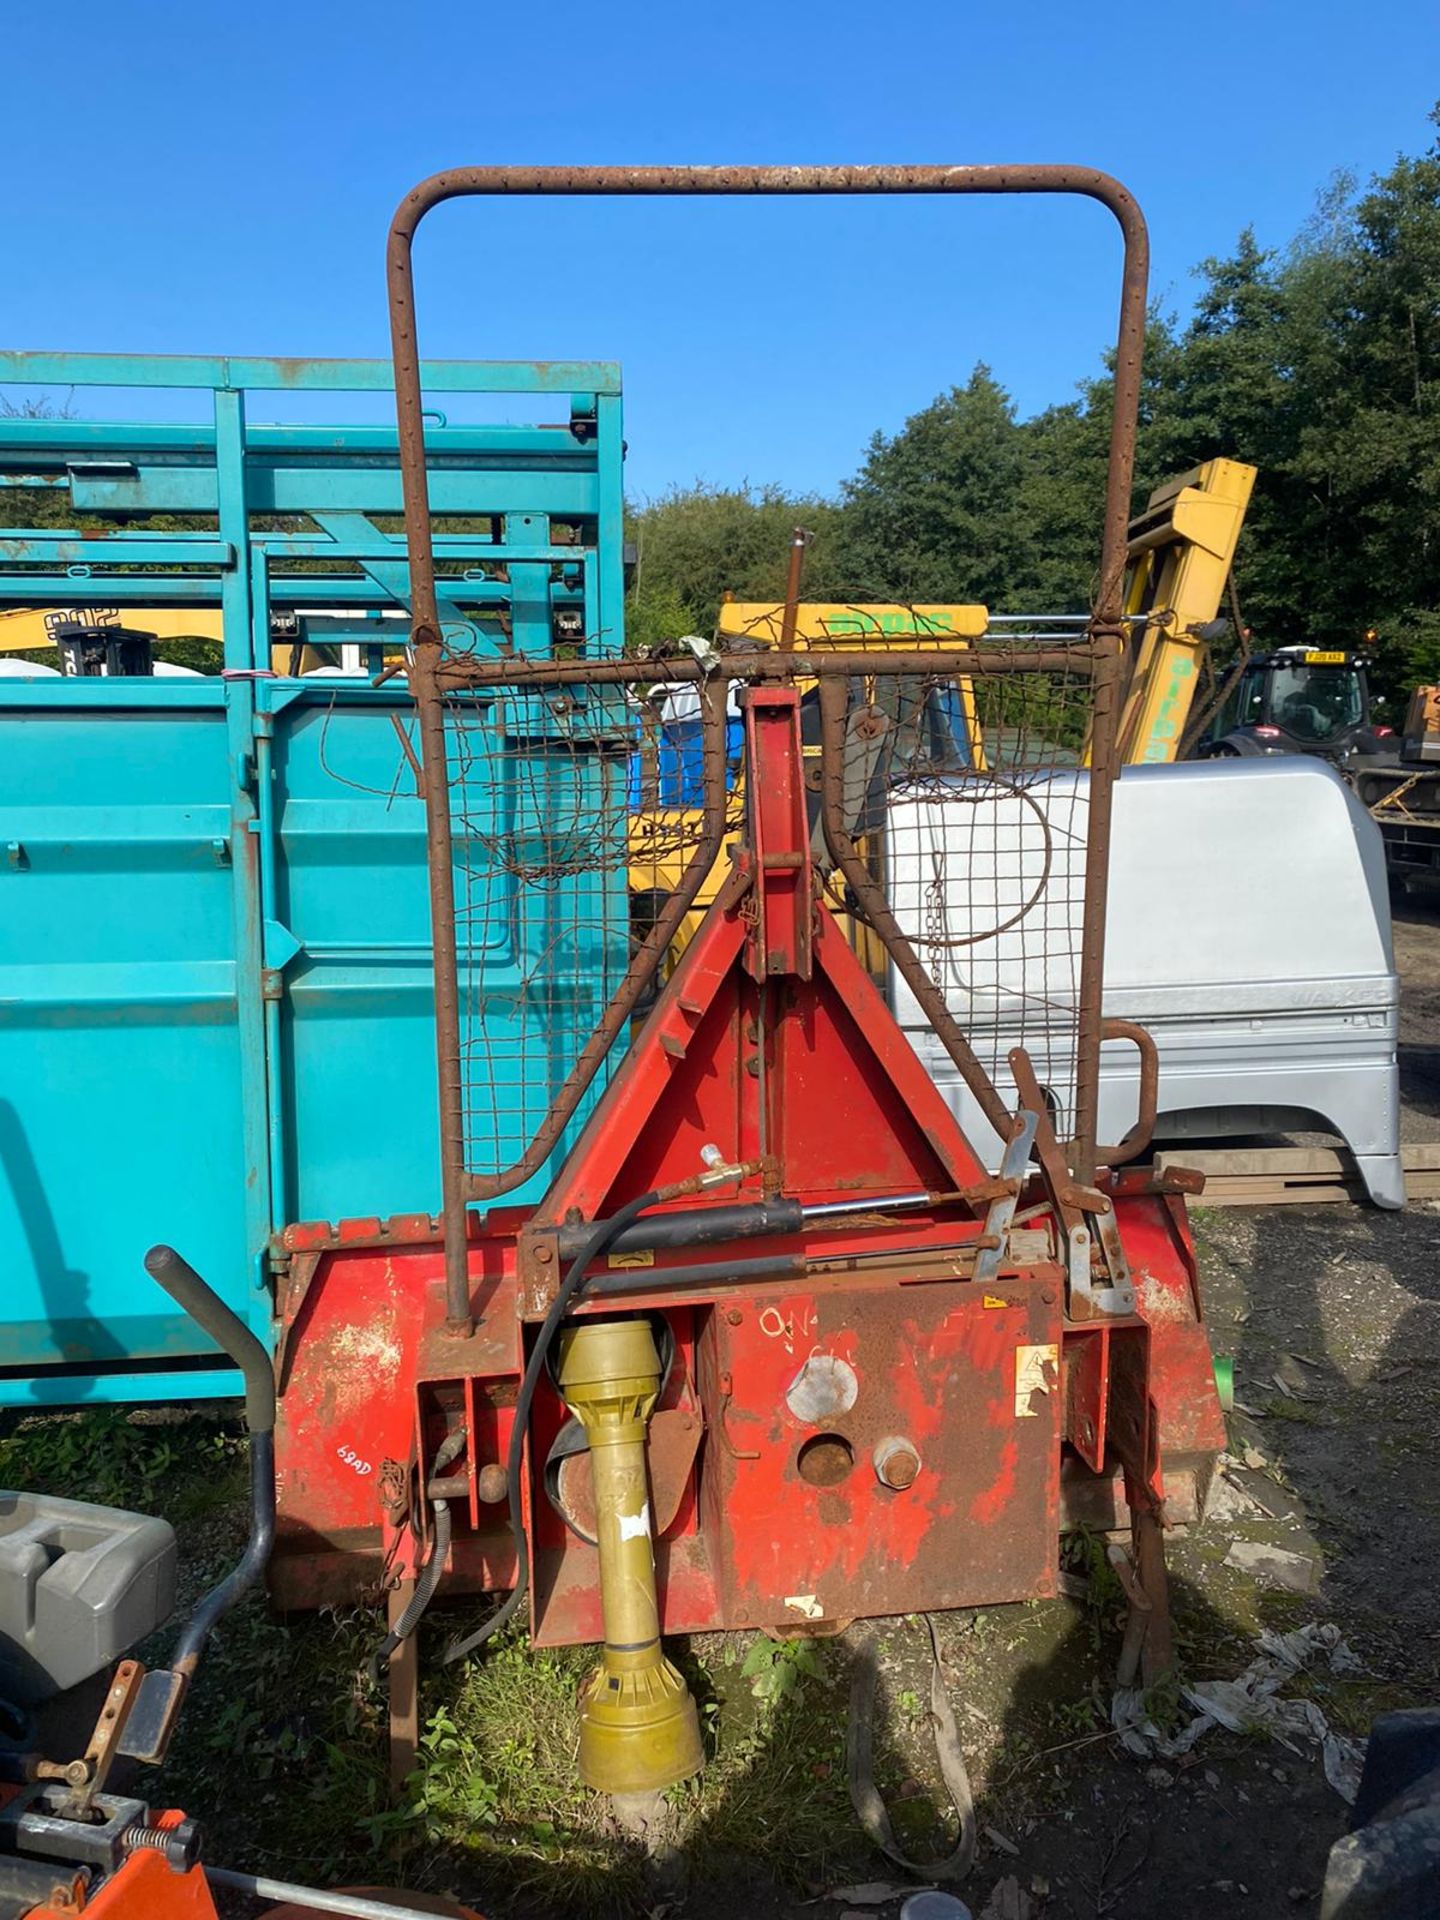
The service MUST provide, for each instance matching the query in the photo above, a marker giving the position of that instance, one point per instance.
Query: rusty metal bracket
(1148, 1647)
(722, 1421)
(1014, 1161)
(1119, 1296)
(86, 1777)
(1084, 1213)
(1150, 1179)
(1060, 1186)
(299, 1273)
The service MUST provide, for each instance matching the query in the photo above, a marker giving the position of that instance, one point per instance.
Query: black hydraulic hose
(448, 1452)
(695, 1227)
(741, 1220)
(424, 1592)
(604, 1235)
(704, 1273)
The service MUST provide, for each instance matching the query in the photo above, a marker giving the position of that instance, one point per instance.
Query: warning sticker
(1037, 1369)
(642, 1258)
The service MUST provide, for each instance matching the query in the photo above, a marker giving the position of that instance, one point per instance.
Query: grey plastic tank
(79, 1586)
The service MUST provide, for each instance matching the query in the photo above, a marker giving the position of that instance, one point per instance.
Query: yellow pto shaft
(638, 1727)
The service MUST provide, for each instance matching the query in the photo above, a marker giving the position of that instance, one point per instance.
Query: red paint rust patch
(988, 1506)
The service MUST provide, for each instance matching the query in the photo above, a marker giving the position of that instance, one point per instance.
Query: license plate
(1324, 659)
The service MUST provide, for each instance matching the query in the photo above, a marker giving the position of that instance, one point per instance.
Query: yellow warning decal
(643, 1258)
(994, 1300)
(1037, 1369)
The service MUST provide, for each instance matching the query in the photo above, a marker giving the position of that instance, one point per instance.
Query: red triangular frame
(866, 1115)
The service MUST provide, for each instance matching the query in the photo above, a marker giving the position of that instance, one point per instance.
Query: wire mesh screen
(577, 814)
(540, 783)
(983, 823)
(666, 795)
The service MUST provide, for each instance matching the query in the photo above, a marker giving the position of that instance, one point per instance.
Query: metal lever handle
(1138, 1138)
(162, 1692)
(225, 1328)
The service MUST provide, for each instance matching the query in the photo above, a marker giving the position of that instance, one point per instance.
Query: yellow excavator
(39, 630)
(28, 629)
(1182, 548)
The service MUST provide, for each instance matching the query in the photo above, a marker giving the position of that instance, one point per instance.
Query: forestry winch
(775, 1349)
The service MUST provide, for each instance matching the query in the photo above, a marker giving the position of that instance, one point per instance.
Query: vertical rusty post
(1107, 636)
(430, 713)
(404, 1677)
(790, 615)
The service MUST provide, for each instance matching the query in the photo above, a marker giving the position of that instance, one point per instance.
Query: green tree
(935, 513)
(655, 615)
(1066, 451)
(1322, 367)
(696, 544)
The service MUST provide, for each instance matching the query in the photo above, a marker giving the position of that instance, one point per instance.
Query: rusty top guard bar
(1106, 628)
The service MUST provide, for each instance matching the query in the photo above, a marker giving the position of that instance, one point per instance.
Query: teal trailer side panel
(216, 996)
(357, 1016)
(120, 1116)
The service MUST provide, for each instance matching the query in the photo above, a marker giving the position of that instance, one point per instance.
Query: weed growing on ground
(1299, 1413)
(778, 1668)
(187, 1464)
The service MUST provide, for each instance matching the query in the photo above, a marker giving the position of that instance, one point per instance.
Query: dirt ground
(1331, 1315)
(1343, 1305)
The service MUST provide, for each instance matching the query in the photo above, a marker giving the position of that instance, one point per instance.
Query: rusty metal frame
(1106, 628)
(1138, 1137)
(464, 671)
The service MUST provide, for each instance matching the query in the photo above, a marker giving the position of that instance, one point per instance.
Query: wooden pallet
(1295, 1176)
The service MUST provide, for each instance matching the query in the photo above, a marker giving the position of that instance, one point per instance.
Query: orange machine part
(146, 1888)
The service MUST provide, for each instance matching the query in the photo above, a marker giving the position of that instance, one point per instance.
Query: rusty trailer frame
(429, 669)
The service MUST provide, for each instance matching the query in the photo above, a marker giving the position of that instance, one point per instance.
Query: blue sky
(219, 179)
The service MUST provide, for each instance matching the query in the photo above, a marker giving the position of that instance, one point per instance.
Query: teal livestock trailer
(216, 1009)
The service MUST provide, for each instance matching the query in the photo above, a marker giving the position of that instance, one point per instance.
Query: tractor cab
(1296, 700)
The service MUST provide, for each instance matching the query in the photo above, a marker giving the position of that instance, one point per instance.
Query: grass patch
(184, 1465)
(496, 1784)
(281, 1751)
(1300, 1413)
(497, 1780)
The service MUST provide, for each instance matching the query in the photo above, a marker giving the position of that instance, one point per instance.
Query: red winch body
(852, 1422)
